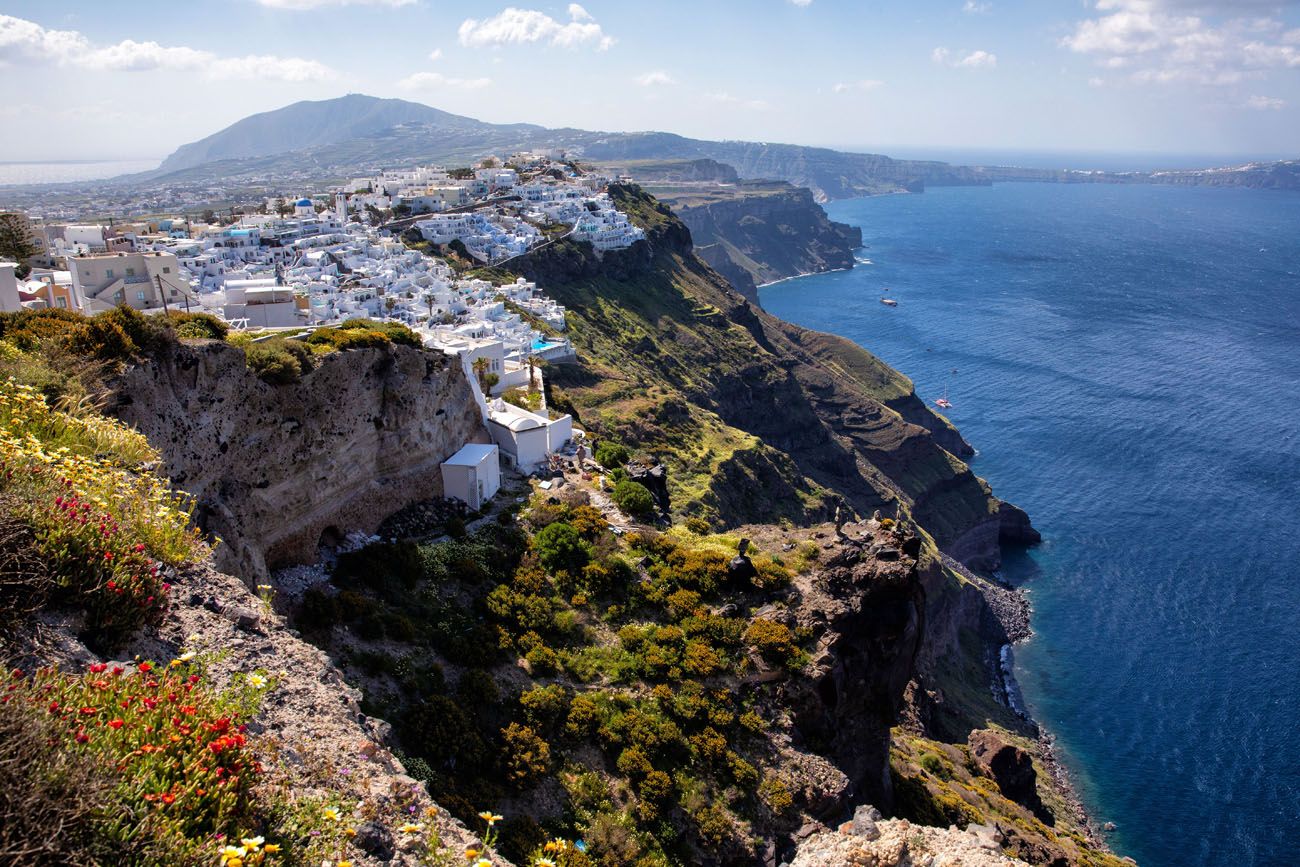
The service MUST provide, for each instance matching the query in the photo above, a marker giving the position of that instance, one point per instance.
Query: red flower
(82, 737)
(108, 555)
(117, 669)
(54, 707)
(115, 723)
(89, 711)
(144, 666)
(168, 798)
(100, 666)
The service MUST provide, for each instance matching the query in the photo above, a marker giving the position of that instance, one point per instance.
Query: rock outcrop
(276, 469)
(868, 609)
(757, 232)
(1011, 768)
(870, 841)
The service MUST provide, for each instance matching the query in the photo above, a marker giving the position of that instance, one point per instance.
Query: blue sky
(135, 79)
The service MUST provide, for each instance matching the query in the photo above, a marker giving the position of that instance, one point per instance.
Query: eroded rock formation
(274, 468)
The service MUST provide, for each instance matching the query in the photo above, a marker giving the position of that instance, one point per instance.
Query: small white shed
(473, 474)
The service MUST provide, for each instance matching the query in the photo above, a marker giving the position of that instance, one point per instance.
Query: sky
(134, 79)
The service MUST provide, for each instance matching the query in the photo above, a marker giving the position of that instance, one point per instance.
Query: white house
(526, 436)
(473, 474)
(9, 302)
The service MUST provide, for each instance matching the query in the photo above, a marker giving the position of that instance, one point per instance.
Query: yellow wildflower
(471, 854)
(271, 848)
(256, 681)
(490, 817)
(411, 828)
(331, 813)
(253, 843)
(543, 862)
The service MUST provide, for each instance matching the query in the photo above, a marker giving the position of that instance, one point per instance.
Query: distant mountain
(312, 124)
(348, 136)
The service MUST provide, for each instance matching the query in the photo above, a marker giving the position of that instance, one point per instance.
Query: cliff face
(871, 614)
(829, 174)
(759, 419)
(274, 468)
(757, 233)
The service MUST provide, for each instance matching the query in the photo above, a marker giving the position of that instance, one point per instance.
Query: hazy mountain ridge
(333, 138)
(309, 124)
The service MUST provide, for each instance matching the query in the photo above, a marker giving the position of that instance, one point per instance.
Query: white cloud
(974, 8)
(864, 84)
(967, 60)
(434, 80)
(1161, 42)
(30, 42)
(654, 78)
(1096, 82)
(523, 26)
(1266, 103)
(725, 98)
(435, 54)
(256, 67)
(801, 2)
(300, 5)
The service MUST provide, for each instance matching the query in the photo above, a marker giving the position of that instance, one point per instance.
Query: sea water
(1126, 359)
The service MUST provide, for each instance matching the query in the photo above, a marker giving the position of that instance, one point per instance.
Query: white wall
(9, 288)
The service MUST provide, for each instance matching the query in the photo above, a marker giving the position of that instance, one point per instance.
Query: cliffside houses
(488, 238)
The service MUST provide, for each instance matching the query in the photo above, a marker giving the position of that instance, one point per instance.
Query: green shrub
(199, 326)
(561, 548)
(390, 568)
(319, 611)
(161, 806)
(102, 338)
(697, 525)
(634, 499)
(775, 794)
(542, 660)
(527, 756)
(278, 361)
(936, 766)
(544, 705)
(773, 641)
(610, 454)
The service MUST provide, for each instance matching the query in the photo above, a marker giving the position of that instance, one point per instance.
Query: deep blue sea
(1127, 363)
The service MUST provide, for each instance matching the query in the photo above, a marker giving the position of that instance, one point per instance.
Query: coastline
(1013, 611)
(797, 276)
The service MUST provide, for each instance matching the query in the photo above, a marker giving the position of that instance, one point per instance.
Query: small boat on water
(889, 302)
(943, 403)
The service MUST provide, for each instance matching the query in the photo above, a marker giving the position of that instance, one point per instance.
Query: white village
(373, 248)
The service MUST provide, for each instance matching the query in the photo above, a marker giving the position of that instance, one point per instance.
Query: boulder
(1011, 768)
(655, 479)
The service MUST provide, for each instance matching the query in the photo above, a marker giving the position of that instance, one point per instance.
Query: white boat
(889, 302)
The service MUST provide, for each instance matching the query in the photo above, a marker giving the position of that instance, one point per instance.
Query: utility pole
(157, 278)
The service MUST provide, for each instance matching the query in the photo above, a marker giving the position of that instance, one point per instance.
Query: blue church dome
(304, 203)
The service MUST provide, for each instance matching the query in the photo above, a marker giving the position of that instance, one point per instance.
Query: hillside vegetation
(757, 419)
